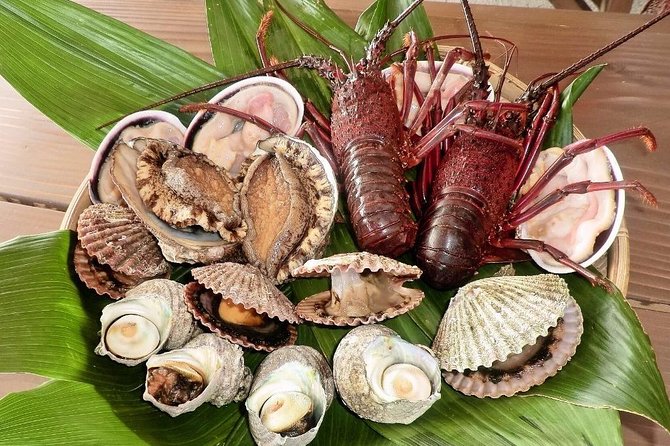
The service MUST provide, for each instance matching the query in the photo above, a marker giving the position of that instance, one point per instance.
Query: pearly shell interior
(132, 337)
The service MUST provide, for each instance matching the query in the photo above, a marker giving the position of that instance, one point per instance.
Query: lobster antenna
(317, 36)
(378, 43)
(479, 71)
(535, 92)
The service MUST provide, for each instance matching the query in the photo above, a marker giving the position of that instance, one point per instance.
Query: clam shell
(557, 349)
(490, 319)
(359, 363)
(338, 307)
(309, 187)
(95, 277)
(179, 246)
(221, 365)
(244, 285)
(100, 185)
(159, 303)
(296, 368)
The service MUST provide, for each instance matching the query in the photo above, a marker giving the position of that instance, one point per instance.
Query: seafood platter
(246, 200)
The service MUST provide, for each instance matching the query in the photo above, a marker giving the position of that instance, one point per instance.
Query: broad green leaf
(560, 134)
(81, 68)
(382, 11)
(233, 35)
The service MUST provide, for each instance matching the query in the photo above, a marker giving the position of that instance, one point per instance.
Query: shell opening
(515, 361)
(288, 413)
(175, 384)
(132, 337)
(406, 381)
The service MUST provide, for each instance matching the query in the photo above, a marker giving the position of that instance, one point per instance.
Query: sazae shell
(206, 369)
(152, 317)
(502, 335)
(383, 378)
(291, 392)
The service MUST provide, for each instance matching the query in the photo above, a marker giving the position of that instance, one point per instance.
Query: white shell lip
(108, 142)
(231, 90)
(601, 246)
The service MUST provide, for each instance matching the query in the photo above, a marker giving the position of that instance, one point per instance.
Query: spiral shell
(384, 378)
(206, 369)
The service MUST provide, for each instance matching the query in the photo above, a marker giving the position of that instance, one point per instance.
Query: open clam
(228, 140)
(583, 226)
(152, 317)
(503, 335)
(207, 369)
(383, 378)
(288, 200)
(238, 303)
(115, 251)
(291, 392)
(155, 124)
(365, 289)
(188, 245)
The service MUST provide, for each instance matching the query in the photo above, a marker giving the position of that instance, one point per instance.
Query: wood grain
(39, 163)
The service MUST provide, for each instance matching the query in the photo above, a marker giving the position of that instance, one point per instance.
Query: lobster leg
(559, 256)
(582, 187)
(409, 71)
(577, 148)
(322, 144)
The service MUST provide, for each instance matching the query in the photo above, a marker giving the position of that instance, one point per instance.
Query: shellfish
(288, 200)
(227, 140)
(383, 378)
(155, 124)
(115, 251)
(206, 369)
(152, 317)
(502, 335)
(238, 303)
(291, 392)
(365, 289)
(189, 245)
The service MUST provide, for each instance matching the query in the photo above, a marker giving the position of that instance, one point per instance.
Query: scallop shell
(531, 367)
(360, 362)
(115, 251)
(216, 361)
(244, 285)
(490, 319)
(148, 123)
(290, 369)
(180, 246)
(355, 299)
(155, 312)
(310, 187)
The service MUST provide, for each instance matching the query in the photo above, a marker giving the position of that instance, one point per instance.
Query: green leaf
(81, 68)
(560, 134)
(233, 35)
(382, 11)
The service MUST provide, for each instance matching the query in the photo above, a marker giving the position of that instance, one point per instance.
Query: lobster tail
(451, 238)
(376, 197)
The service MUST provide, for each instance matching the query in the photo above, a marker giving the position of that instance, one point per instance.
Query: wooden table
(41, 166)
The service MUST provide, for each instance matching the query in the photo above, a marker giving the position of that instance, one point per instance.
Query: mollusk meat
(291, 392)
(151, 318)
(115, 251)
(289, 200)
(155, 124)
(383, 378)
(207, 369)
(241, 305)
(228, 140)
(365, 289)
(573, 224)
(503, 335)
(188, 245)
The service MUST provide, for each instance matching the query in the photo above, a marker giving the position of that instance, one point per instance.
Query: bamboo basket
(615, 265)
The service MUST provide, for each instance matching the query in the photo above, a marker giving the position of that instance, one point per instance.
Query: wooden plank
(17, 219)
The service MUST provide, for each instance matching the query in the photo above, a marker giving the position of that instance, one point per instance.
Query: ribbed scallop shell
(490, 319)
(221, 365)
(363, 355)
(555, 353)
(97, 278)
(116, 237)
(295, 368)
(313, 308)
